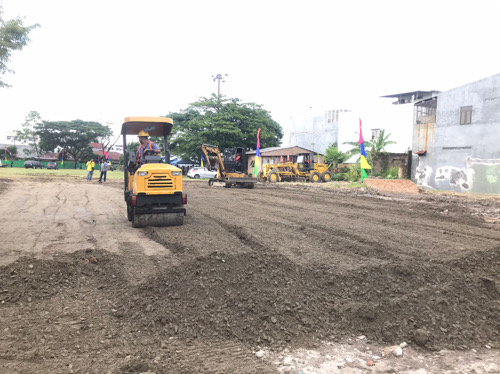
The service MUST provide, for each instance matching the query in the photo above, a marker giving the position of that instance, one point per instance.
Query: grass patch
(20, 173)
(356, 185)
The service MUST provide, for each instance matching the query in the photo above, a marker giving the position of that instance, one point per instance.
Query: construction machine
(231, 166)
(304, 169)
(153, 187)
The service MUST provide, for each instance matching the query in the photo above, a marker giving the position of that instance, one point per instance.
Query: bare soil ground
(282, 278)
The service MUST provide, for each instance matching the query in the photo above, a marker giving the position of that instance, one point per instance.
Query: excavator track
(158, 219)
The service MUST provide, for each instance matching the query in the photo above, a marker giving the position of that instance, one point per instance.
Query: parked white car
(200, 172)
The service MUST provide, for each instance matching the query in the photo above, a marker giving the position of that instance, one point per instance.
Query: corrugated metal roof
(283, 150)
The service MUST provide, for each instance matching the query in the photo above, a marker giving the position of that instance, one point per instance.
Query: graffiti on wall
(461, 178)
(423, 175)
(479, 175)
(487, 174)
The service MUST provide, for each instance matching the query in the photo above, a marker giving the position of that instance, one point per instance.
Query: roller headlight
(176, 173)
(142, 173)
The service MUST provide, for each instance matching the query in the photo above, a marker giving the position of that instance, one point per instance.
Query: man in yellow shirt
(90, 169)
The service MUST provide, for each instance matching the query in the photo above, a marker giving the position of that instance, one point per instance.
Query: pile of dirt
(395, 185)
(264, 299)
(30, 279)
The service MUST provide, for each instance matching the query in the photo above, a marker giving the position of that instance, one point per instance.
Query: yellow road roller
(153, 187)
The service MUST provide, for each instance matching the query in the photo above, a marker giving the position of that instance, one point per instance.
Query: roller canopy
(155, 126)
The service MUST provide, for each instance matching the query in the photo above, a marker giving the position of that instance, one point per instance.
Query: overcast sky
(103, 60)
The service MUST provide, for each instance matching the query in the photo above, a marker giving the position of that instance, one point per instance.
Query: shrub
(338, 177)
(354, 174)
(393, 173)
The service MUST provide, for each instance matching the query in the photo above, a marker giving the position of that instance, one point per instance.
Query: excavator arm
(214, 159)
(212, 156)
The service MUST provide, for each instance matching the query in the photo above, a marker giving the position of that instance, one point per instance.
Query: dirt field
(282, 278)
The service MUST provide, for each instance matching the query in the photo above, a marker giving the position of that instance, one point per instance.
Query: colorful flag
(257, 155)
(106, 155)
(62, 158)
(364, 162)
(201, 162)
(281, 159)
(5, 150)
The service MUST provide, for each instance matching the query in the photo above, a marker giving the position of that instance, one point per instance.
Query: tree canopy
(28, 133)
(378, 145)
(334, 156)
(13, 36)
(74, 137)
(373, 147)
(11, 152)
(223, 122)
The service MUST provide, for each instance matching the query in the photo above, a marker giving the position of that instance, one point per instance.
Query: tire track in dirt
(231, 356)
(405, 225)
(318, 236)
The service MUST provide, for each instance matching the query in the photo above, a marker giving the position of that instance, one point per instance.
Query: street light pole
(219, 77)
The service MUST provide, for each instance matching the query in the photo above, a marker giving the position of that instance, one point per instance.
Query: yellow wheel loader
(231, 166)
(153, 187)
(304, 169)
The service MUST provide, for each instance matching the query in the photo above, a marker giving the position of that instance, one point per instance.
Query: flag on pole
(364, 162)
(281, 159)
(105, 155)
(257, 155)
(201, 160)
(62, 158)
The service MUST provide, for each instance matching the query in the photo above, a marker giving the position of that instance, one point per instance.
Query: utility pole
(219, 77)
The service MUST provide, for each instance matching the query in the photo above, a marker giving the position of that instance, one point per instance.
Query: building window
(466, 115)
(375, 133)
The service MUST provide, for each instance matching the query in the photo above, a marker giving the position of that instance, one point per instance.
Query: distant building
(22, 147)
(341, 126)
(316, 131)
(114, 153)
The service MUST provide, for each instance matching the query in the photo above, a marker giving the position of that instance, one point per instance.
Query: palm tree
(378, 145)
(373, 147)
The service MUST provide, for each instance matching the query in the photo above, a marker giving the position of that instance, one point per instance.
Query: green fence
(66, 165)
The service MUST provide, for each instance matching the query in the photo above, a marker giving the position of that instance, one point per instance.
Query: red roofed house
(114, 153)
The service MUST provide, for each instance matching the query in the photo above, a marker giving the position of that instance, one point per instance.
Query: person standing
(90, 169)
(104, 169)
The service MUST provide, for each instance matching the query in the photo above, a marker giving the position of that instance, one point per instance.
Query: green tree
(28, 133)
(134, 146)
(107, 142)
(223, 122)
(333, 156)
(373, 147)
(378, 145)
(13, 36)
(74, 137)
(379, 158)
(11, 152)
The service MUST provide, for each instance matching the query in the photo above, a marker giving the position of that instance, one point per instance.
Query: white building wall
(308, 128)
(315, 131)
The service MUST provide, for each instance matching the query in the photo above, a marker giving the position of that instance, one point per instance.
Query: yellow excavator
(153, 187)
(231, 166)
